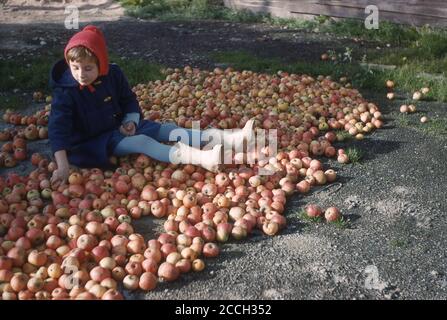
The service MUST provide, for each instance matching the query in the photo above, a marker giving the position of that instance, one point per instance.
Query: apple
(313, 211)
(210, 250)
(417, 95)
(332, 214)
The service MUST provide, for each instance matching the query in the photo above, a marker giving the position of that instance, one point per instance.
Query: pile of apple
(26, 128)
(77, 241)
(299, 106)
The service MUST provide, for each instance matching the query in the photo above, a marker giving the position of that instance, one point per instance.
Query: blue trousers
(152, 146)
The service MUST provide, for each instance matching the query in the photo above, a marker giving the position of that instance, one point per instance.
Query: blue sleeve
(127, 98)
(133, 116)
(60, 121)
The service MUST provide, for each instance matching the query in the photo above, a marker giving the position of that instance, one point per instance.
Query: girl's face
(84, 71)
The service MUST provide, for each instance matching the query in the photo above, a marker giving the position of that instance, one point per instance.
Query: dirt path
(56, 11)
(395, 248)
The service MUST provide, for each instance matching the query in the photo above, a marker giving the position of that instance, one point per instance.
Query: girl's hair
(80, 53)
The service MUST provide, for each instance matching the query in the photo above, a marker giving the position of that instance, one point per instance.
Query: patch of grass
(354, 154)
(304, 217)
(153, 8)
(30, 73)
(403, 120)
(428, 54)
(342, 223)
(343, 135)
(11, 101)
(245, 16)
(432, 43)
(386, 33)
(290, 23)
(174, 10)
(245, 61)
(137, 70)
(420, 62)
(406, 78)
(410, 57)
(392, 56)
(436, 126)
(398, 243)
(410, 78)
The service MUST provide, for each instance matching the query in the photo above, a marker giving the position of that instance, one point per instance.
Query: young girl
(95, 114)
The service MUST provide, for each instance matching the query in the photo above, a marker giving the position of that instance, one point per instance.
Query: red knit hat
(93, 39)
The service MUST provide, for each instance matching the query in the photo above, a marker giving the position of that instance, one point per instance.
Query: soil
(394, 244)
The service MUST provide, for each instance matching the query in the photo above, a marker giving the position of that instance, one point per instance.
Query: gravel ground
(394, 245)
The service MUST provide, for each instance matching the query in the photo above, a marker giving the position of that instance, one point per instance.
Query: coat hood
(60, 76)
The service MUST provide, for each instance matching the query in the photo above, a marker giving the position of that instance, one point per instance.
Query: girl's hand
(60, 176)
(128, 129)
